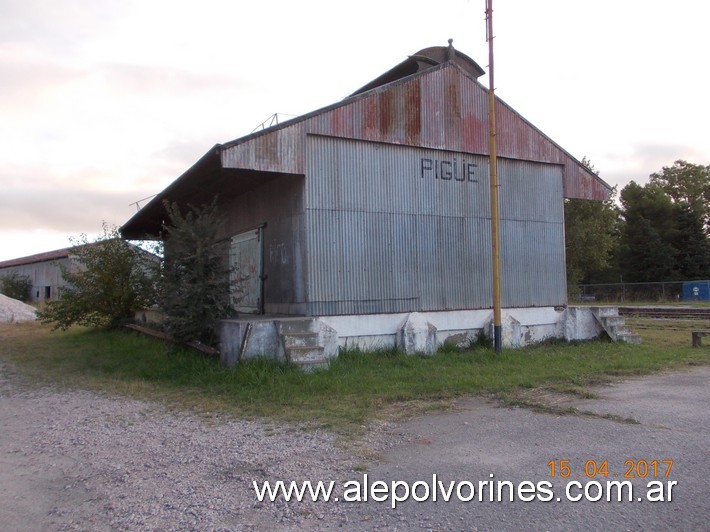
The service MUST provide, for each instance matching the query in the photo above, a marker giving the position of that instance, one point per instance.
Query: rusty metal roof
(39, 257)
(432, 100)
(56, 254)
(424, 60)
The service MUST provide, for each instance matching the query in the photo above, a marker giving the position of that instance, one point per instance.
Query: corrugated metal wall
(45, 276)
(392, 228)
(277, 206)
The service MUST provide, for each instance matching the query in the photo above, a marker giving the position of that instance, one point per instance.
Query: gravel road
(78, 460)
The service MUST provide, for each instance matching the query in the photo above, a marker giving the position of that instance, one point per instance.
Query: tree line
(655, 232)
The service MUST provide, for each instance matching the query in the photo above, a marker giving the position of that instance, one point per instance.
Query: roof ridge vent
(450, 52)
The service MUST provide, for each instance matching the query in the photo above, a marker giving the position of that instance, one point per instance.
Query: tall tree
(591, 236)
(646, 253)
(687, 183)
(692, 245)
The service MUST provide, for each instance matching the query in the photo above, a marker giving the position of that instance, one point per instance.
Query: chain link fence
(666, 292)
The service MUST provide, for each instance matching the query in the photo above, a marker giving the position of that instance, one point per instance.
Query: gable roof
(57, 254)
(439, 105)
(39, 257)
(424, 60)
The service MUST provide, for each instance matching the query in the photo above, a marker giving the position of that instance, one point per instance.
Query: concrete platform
(312, 341)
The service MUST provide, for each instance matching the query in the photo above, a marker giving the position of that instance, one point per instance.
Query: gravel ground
(78, 460)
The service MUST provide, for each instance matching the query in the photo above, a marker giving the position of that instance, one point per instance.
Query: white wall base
(417, 332)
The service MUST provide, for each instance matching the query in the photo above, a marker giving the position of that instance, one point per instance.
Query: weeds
(355, 388)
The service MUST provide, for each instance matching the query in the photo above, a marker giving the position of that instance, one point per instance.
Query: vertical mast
(495, 217)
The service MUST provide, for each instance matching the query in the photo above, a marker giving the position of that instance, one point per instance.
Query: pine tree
(195, 285)
(692, 245)
(646, 253)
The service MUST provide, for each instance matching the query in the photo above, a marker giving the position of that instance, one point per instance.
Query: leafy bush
(109, 280)
(16, 286)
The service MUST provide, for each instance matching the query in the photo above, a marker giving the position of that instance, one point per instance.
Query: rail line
(666, 313)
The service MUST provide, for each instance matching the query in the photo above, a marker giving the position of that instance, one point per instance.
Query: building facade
(44, 271)
(379, 205)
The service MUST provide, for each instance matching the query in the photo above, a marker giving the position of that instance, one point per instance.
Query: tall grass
(355, 387)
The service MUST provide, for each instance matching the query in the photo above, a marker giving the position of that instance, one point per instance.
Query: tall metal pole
(495, 217)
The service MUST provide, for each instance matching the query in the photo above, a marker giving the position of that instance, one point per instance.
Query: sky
(105, 102)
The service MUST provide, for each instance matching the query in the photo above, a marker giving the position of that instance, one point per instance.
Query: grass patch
(357, 387)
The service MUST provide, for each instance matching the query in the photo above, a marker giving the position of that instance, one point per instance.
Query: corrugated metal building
(380, 203)
(43, 270)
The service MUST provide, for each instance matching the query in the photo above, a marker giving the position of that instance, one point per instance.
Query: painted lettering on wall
(454, 169)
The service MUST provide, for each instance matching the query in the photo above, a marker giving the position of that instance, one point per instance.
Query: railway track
(666, 313)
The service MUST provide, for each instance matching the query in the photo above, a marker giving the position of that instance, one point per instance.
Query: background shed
(43, 270)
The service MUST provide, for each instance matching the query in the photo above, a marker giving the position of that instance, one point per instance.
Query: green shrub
(16, 286)
(109, 280)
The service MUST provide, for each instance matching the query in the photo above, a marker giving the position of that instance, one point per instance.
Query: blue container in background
(696, 291)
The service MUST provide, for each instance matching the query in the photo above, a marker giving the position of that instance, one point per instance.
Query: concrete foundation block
(417, 335)
(580, 324)
(243, 340)
(328, 339)
(512, 332)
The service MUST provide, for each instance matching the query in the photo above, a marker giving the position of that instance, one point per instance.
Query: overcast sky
(106, 102)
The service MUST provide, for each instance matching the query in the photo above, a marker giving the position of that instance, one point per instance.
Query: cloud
(641, 159)
(28, 77)
(147, 78)
(59, 26)
(65, 209)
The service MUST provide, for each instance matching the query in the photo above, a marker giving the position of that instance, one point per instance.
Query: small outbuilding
(368, 222)
(44, 271)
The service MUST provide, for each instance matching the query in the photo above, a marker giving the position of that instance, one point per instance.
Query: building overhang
(199, 185)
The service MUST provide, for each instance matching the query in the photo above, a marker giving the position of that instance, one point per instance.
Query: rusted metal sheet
(443, 108)
(280, 150)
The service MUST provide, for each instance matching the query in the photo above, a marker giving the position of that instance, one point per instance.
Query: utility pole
(495, 217)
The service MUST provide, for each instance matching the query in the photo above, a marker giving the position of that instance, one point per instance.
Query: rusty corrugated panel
(432, 94)
(280, 150)
(452, 109)
(443, 108)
